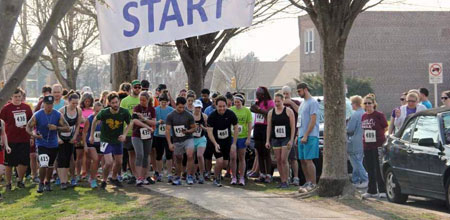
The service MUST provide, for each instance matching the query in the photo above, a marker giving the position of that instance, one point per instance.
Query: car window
(406, 136)
(446, 124)
(426, 127)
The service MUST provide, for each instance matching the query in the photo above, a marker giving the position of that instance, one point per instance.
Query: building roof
(290, 69)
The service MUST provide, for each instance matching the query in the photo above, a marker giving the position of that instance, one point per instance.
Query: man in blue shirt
(212, 107)
(423, 95)
(308, 136)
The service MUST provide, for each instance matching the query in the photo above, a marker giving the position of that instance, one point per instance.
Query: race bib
(198, 132)
(240, 129)
(67, 134)
(222, 134)
(43, 160)
(162, 129)
(259, 118)
(178, 130)
(280, 131)
(97, 136)
(370, 136)
(103, 146)
(20, 118)
(145, 133)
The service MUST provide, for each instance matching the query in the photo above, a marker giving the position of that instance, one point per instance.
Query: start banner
(128, 24)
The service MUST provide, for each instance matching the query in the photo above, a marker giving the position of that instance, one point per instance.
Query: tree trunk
(196, 74)
(9, 12)
(60, 9)
(124, 67)
(334, 175)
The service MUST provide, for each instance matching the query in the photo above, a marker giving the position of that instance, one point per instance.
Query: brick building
(393, 48)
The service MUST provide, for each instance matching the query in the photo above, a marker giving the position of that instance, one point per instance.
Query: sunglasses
(444, 98)
(402, 99)
(137, 87)
(412, 101)
(368, 103)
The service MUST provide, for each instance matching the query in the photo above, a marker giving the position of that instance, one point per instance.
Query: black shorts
(20, 155)
(50, 152)
(96, 146)
(161, 146)
(127, 145)
(65, 152)
(225, 148)
(209, 151)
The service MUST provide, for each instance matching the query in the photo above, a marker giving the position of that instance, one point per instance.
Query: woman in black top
(280, 135)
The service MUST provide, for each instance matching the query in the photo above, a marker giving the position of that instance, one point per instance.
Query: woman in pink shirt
(87, 101)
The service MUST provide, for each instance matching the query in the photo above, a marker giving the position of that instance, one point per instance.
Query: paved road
(236, 203)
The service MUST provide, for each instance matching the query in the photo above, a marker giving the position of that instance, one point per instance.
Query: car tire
(447, 193)
(393, 190)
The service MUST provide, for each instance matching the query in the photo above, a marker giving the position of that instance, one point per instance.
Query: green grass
(272, 187)
(85, 203)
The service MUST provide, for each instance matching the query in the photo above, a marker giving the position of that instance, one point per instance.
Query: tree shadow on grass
(11, 197)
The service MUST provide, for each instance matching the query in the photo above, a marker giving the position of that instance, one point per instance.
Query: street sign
(435, 72)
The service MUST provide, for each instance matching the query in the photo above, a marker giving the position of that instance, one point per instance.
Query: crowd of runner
(139, 137)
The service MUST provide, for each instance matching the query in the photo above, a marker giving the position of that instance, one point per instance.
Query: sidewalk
(236, 203)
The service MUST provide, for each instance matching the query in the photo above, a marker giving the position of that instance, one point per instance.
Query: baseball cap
(136, 82)
(198, 103)
(48, 99)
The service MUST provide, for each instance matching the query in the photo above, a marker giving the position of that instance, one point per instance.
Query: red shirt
(374, 126)
(148, 113)
(12, 115)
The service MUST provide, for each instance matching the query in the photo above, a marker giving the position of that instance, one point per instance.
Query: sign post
(435, 74)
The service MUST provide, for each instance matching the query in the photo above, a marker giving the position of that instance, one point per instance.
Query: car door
(419, 157)
(398, 153)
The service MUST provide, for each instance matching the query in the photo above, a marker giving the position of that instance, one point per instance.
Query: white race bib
(20, 118)
(103, 146)
(43, 160)
(67, 134)
(280, 131)
(145, 133)
(96, 136)
(162, 129)
(198, 132)
(178, 130)
(259, 118)
(370, 136)
(222, 134)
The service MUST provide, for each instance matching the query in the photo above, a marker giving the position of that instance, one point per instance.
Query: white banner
(128, 24)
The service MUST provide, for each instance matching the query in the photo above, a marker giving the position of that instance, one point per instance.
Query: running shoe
(189, 180)
(150, 180)
(217, 182)
(233, 181)
(63, 186)
(176, 181)
(369, 195)
(159, 178)
(103, 185)
(132, 180)
(206, 175)
(8, 187)
(116, 183)
(242, 181)
(268, 179)
(40, 188)
(48, 187)
(36, 180)
(74, 182)
(296, 181)
(254, 175)
(170, 179)
(284, 185)
(262, 178)
(57, 181)
(201, 180)
(139, 182)
(302, 189)
(382, 195)
(362, 185)
(94, 184)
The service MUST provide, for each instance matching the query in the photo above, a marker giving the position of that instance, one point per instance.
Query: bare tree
(200, 52)
(243, 69)
(10, 9)
(66, 51)
(333, 20)
(124, 67)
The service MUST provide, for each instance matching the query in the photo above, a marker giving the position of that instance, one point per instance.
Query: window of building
(309, 41)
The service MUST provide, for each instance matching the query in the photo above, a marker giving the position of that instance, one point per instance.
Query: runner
(445, 98)
(111, 137)
(159, 139)
(143, 117)
(92, 150)
(190, 102)
(308, 136)
(15, 116)
(181, 123)
(72, 115)
(199, 138)
(87, 100)
(129, 103)
(212, 107)
(245, 125)
(280, 135)
(261, 108)
(374, 125)
(183, 93)
(3, 142)
(47, 122)
(293, 152)
(219, 132)
(205, 99)
(209, 151)
(104, 98)
(57, 93)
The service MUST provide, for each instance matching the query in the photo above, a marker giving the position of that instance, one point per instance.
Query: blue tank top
(97, 129)
(49, 138)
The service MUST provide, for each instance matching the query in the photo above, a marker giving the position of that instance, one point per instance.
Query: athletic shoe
(63, 186)
(206, 175)
(8, 187)
(382, 195)
(201, 180)
(132, 180)
(159, 178)
(296, 181)
(189, 180)
(93, 183)
(74, 182)
(57, 181)
(176, 181)
(362, 185)
(284, 185)
(150, 180)
(268, 179)
(116, 183)
(139, 182)
(40, 188)
(262, 178)
(369, 195)
(254, 175)
(170, 179)
(36, 180)
(48, 188)
(120, 178)
(233, 181)
(242, 181)
(302, 189)
(103, 185)
(217, 182)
